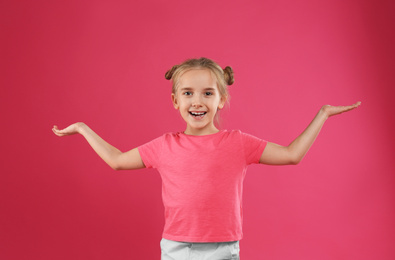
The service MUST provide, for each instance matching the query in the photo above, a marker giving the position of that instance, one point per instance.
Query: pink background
(103, 63)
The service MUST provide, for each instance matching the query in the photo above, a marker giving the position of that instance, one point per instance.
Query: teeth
(198, 114)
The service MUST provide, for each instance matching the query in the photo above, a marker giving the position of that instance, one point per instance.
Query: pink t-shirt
(202, 182)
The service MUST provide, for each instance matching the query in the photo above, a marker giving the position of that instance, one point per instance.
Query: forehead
(197, 77)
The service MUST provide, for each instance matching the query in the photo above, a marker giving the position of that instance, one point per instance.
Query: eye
(208, 93)
(187, 93)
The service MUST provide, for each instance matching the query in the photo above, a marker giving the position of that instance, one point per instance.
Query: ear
(222, 102)
(175, 101)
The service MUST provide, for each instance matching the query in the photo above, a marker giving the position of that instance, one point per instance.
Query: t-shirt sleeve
(253, 147)
(151, 152)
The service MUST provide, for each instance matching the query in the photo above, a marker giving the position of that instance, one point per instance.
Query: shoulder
(171, 137)
(244, 137)
(162, 138)
(234, 133)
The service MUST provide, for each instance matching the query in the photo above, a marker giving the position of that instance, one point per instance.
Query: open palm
(335, 110)
(70, 130)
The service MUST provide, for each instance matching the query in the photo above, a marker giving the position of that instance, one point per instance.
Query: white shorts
(173, 250)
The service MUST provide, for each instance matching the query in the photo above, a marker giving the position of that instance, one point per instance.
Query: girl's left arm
(292, 154)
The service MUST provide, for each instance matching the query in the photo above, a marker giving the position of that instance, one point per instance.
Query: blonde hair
(224, 76)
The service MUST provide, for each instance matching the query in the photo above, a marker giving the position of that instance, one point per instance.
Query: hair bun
(228, 74)
(169, 73)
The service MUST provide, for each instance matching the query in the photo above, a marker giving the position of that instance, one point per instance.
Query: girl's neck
(200, 132)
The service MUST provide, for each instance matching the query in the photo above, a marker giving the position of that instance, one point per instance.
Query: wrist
(324, 112)
(81, 127)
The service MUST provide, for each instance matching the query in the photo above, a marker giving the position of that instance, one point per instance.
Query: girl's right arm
(111, 155)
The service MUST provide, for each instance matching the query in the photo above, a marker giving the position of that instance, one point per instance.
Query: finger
(60, 131)
(358, 104)
(348, 108)
(56, 132)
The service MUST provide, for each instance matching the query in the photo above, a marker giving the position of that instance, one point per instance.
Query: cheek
(183, 103)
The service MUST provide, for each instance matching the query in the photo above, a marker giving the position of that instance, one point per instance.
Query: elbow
(115, 166)
(293, 157)
(295, 160)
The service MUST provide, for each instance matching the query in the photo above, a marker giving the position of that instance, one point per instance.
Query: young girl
(202, 168)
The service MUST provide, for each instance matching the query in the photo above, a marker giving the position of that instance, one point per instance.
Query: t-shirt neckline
(209, 135)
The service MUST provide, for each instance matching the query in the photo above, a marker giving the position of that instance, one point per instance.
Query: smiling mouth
(197, 114)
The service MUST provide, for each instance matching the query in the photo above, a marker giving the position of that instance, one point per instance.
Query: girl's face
(198, 100)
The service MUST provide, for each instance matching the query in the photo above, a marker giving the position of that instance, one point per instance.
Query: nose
(197, 101)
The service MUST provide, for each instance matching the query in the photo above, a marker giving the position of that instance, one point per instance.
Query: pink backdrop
(103, 63)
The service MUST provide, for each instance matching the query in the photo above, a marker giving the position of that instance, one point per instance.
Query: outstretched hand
(335, 110)
(70, 130)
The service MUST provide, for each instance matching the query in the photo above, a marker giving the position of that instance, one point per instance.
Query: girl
(202, 168)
